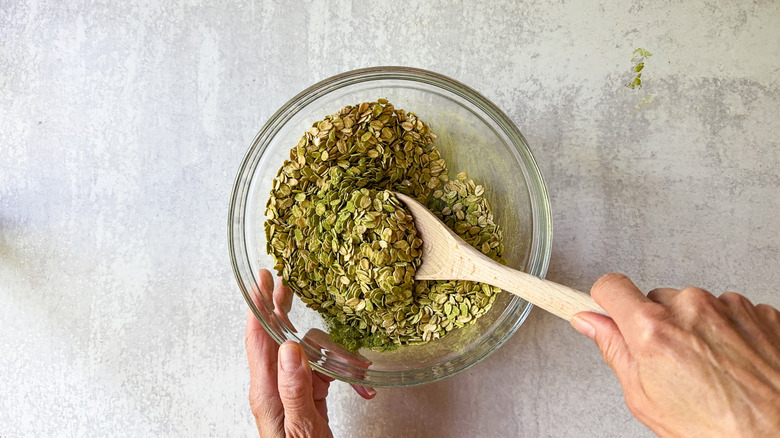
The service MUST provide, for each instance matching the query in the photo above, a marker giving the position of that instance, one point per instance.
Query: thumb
(295, 391)
(603, 330)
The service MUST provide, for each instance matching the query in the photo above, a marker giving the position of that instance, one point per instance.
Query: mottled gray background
(122, 125)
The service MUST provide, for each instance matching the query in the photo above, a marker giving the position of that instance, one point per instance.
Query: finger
(618, 295)
(324, 377)
(603, 330)
(696, 309)
(267, 287)
(769, 316)
(747, 318)
(261, 349)
(770, 320)
(319, 339)
(735, 300)
(366, 392)
(319, 386)
(264, 398)
(282, 298)
(663, 295)
(295, 389)
(742, 311)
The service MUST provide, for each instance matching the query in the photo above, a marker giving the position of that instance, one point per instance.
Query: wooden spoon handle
(555, 298)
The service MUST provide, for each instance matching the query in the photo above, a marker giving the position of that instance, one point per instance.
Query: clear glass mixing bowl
(473, 136)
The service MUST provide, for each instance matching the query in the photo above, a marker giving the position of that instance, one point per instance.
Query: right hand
(690, 364)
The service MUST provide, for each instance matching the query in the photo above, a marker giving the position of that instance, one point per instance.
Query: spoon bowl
(445, 256)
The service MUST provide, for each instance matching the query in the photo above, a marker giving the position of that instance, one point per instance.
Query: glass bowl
(473, 136)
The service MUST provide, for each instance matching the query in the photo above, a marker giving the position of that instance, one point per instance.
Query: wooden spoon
(445, 256)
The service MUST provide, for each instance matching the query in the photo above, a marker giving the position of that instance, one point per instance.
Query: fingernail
(289, 357)
(583, 326)
(366, 392)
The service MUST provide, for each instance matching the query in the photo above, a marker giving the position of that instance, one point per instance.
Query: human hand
(286, 397)
(690, 364)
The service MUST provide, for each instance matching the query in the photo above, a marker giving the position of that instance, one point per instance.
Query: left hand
(286, 397)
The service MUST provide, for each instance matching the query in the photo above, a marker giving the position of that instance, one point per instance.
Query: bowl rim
(540, 245)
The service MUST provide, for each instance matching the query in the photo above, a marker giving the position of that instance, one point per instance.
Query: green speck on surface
(637, 82)
(640, 53)
(639, 57)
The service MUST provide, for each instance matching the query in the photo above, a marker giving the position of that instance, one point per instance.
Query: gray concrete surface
(122, 125)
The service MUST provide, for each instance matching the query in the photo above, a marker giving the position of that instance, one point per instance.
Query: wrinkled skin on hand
(690, 364)
(287, 399)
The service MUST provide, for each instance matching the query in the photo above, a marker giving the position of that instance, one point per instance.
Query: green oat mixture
(348, 248)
